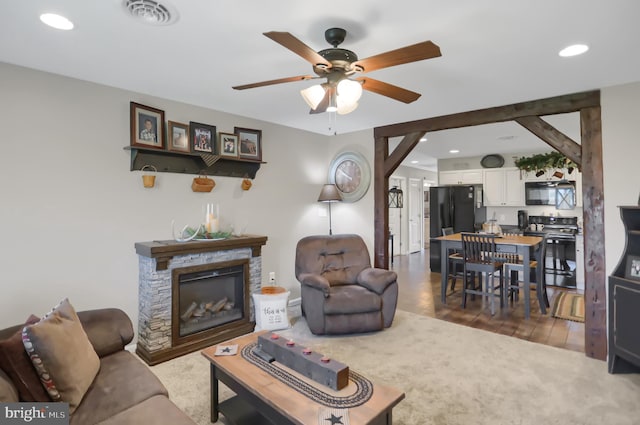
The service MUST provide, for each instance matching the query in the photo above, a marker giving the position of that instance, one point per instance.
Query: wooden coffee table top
(287, 400)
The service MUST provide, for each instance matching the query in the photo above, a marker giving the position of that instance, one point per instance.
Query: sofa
(124, 390)
(341, 293)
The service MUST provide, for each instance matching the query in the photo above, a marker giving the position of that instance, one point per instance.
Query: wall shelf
(192, 163)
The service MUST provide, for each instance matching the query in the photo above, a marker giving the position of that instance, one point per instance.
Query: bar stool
(479, 252)
(512, 268)
(455, 261)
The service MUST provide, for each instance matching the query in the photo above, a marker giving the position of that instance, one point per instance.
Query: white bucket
(271, 310)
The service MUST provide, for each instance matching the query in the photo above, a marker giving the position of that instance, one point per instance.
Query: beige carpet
(452, 375)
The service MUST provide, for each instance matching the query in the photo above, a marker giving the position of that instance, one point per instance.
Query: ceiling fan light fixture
(346, 109)
(349, 91)
(313, 95)
(333, 106)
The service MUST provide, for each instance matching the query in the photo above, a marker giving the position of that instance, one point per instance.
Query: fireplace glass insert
(209, 297)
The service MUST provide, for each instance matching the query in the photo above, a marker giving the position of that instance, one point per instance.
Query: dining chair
(513, 284)
(480, 256)
(455, 260)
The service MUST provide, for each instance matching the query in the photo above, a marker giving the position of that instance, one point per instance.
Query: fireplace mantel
(164, 251)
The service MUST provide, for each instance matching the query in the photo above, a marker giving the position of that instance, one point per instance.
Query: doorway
(397, 220)
(415, 215)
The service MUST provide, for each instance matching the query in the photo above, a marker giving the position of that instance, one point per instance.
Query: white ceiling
(494, 52)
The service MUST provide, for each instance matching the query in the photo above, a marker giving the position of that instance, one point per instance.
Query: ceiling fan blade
(278, 81)
(389, 90)
(413, 53)
(298, 47)
(324, 103)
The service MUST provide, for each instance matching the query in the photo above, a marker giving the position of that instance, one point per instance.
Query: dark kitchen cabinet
(624, 300)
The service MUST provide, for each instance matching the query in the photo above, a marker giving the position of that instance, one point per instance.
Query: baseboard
(295, 302)
(294, 308)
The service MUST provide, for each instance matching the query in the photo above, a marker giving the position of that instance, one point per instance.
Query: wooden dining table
(511, 244)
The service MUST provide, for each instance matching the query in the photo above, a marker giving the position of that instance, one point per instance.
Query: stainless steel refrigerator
(459, 207)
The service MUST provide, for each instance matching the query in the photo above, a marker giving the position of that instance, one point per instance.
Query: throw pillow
(15, 362)
(62, 354)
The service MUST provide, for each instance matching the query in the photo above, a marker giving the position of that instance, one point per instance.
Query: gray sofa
(341, 293)
(124, 391)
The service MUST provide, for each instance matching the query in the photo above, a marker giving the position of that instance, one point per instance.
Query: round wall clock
(351, 174)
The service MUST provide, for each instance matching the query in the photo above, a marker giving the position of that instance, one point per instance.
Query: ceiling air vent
(151, 12)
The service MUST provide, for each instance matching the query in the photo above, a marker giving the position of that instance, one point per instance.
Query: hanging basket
(202, 183)
(149, 180)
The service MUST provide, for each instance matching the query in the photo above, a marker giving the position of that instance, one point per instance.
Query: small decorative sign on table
(227, 350)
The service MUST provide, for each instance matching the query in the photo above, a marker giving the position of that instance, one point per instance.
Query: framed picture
(147, 126)
(633, 267)
(228, 145)
(249, 143)
(203, 137)
(178, 137)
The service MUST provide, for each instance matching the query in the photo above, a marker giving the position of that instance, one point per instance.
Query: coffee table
(262, 398)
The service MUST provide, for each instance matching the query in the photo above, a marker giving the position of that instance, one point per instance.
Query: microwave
(561, 194)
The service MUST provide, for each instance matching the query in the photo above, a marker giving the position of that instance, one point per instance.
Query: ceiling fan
(340, 93)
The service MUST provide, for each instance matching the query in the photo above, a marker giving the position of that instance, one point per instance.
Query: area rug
(451, 375)
(569, 306)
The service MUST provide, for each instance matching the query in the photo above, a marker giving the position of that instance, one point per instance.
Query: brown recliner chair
(341, 292)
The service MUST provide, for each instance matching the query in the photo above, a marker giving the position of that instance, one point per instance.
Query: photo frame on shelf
(249, 143)
(147, 126)
(633, 267)
(178, 137)
(202, 137)
(228, 145)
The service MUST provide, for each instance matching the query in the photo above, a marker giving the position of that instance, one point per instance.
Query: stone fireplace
(195, 294)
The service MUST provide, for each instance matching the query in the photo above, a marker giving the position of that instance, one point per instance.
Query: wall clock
(351, 174)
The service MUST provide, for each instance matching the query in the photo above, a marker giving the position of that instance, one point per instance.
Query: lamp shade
(313, 95)
(329, 193)
(395, 197)
(349, 91)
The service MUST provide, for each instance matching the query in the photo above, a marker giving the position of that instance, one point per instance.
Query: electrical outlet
(272, 277)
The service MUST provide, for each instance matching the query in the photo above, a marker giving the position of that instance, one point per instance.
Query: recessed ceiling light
(414, 162)
(424, 139)
(56, 21)
(573, 50)
(454, 151)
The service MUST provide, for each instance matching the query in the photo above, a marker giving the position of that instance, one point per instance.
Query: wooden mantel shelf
(164, 251)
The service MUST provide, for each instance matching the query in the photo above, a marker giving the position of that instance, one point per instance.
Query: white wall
(621, 150)
(72, 211)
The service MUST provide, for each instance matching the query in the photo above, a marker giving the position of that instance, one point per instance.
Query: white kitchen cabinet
(549, 176)
(460, 177)
(502, 187)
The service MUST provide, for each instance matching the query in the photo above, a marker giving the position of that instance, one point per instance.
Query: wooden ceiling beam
(401, 151)
(550, 106)
(554, 138)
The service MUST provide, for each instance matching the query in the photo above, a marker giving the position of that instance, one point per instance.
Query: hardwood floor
(419, 292)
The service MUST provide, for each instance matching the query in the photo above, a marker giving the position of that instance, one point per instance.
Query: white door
(415, 215)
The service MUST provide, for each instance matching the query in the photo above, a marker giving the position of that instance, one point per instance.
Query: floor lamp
(329, 194)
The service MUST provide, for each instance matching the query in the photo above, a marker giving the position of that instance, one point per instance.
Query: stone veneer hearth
(157, 260)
